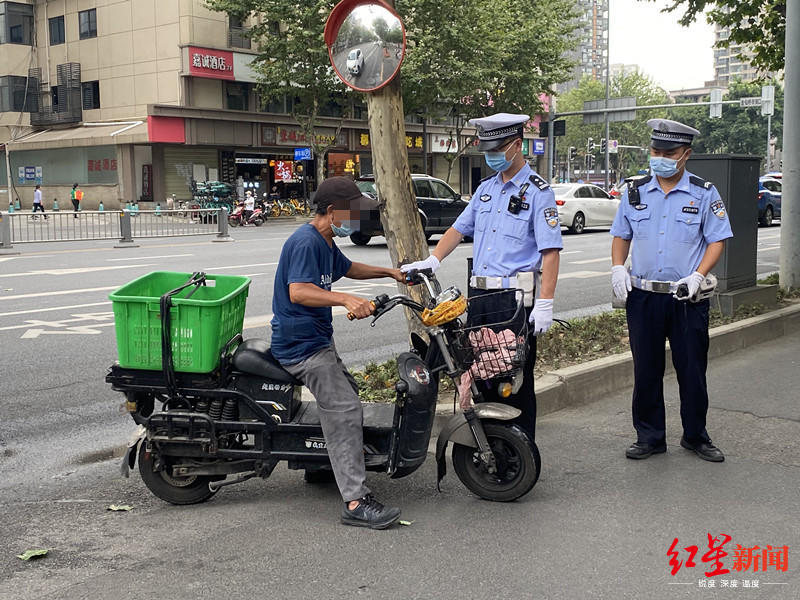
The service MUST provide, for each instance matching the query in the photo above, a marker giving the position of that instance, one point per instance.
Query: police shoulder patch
(539, 182)
(718, 208)
(551, 216)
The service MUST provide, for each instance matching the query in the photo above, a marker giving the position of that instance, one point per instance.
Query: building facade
(732, 63)
(591, 53)
(140, 100)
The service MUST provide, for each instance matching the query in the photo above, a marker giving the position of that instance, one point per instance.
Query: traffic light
(572, 154)
(603, 145)
(590, 145)
(590, 161)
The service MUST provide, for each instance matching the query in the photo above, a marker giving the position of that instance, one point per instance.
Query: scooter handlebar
(378, 303)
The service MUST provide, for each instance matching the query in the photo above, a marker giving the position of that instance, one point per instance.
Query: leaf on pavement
(118, 507)
(35, 553)
(406, 523)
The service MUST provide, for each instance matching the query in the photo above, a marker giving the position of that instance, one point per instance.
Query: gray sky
(674, 57)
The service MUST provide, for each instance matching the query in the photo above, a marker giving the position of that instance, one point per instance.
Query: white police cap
(669, 134)
(495, 129)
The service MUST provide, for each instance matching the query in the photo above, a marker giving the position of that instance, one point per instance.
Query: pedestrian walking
(677, 223)
(513, 220)
(76, 196)
(37, 201)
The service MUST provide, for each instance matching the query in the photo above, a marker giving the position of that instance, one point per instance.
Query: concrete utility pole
(607, 157)
(790, 210)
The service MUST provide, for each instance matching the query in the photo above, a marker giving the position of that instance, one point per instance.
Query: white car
(582, 205)
(355, 61)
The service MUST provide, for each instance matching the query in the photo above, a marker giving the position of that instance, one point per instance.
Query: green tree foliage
(464, 59)
(740, 130)
(628, 133)
(760, 24)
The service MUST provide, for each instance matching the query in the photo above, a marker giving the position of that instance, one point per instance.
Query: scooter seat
(254, 356)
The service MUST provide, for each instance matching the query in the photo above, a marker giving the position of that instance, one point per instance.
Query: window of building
(57, 30)
(237, 95)
(90, 92)
(237, 33)
(276, 105)
(54, 97)
(13, 97)
(16, 23)
(87, 24)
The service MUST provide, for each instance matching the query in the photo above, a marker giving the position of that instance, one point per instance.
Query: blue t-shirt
(299, 331)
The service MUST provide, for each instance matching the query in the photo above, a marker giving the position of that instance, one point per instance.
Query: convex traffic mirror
(366, 43)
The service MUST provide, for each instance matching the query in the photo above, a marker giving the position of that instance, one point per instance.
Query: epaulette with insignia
(539, 182)
(633, 189)
(695, 180)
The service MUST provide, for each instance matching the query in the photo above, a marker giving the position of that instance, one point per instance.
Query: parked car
(355, 61)
(437, 203)
(769, 200)
(582, 205)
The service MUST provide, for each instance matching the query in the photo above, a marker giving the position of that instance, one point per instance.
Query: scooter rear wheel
(173, 489)
(518, 464)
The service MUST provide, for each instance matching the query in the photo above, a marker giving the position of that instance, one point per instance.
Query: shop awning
(101, 134)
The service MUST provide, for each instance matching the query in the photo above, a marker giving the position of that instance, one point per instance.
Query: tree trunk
(401, 223)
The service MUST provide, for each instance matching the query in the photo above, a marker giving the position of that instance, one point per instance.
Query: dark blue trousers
(652, 319)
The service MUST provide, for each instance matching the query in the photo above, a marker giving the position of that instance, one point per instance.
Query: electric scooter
(200, 432)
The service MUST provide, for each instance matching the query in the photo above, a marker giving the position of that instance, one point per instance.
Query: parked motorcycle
(196, 429)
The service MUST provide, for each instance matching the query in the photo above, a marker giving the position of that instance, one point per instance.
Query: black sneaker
(370, 513)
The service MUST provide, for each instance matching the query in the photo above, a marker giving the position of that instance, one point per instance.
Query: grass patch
(588, 338)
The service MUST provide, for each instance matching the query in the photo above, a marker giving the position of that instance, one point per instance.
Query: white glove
(693, 282)
(542, 315)
(620, 282)
(431, 263)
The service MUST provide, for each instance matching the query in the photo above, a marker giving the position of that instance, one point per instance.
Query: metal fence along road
(21, 227)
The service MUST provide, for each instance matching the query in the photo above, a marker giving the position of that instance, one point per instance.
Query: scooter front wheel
(517, 459)
(171, 488)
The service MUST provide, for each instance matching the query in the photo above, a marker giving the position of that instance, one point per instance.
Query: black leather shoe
(705, 450)
(370, 513)
(642, 450)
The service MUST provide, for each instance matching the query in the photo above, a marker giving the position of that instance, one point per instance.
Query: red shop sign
(205, 62)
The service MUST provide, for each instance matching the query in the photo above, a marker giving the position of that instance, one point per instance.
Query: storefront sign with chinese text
(216, 64)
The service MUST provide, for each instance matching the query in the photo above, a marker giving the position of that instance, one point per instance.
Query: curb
(590, 381)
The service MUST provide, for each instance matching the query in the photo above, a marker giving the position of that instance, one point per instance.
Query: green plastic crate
(202, 321)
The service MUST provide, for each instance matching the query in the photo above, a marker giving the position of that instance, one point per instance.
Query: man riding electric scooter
(302, 338)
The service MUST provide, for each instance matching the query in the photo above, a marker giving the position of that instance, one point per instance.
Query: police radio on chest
(517, 201)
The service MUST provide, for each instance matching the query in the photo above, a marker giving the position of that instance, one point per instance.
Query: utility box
(736, 178)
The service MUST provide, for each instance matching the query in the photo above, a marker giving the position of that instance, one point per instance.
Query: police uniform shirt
(671, 232)
(507, 243)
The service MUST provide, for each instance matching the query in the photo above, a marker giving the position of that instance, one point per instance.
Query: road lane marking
(583, 274)
(38, 310)
(212, 269)
(149, 257)
(60, 293)
(35, 325)
(77, 270)
(565, 252)
(590, 260)
(77, 330)
(769, 248)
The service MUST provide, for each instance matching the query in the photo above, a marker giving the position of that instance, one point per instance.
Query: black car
(438, 205)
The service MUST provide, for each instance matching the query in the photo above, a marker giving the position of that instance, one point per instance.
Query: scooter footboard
(416, 407)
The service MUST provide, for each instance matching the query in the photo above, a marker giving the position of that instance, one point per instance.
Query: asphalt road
(595, 526)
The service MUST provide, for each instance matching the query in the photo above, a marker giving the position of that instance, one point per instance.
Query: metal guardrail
(22, 227)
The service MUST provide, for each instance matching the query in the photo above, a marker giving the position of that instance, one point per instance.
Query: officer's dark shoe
(640, 450)
(705, 450)
(370, 513)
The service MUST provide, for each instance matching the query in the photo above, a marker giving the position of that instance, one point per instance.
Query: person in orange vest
(76, 196)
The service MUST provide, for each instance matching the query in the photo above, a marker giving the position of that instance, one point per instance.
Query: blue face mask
(663, 166)
(344, 231)
(497, 161)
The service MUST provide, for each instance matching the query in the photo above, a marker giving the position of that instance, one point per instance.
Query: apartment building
(138, 99)
(592, 50)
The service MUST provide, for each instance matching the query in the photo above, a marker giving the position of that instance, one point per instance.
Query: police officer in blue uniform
(513, 220)
(678, 225)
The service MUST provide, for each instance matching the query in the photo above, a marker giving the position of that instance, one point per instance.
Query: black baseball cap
(337, 191)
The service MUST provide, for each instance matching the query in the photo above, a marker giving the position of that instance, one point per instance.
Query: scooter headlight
(504, 389)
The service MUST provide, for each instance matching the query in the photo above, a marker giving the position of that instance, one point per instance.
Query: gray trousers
(340, 416)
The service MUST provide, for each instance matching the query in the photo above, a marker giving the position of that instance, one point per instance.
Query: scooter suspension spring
(231, 410)
(215, 411)
(202, 405)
